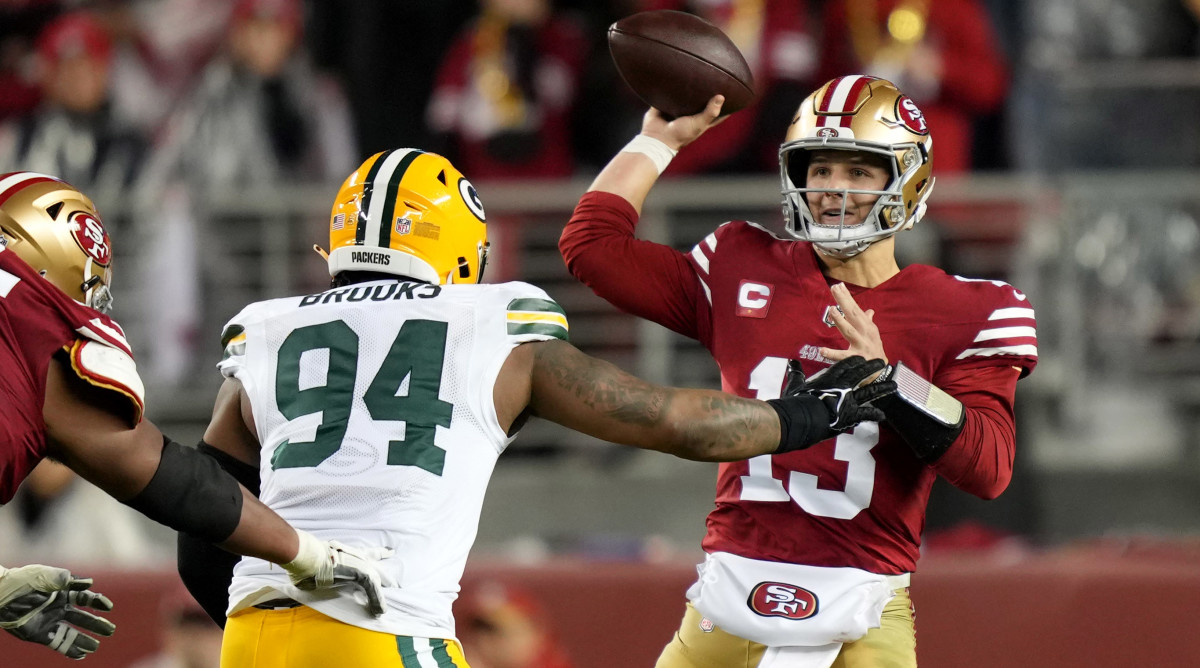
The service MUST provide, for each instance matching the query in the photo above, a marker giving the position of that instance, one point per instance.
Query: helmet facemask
(887, 214)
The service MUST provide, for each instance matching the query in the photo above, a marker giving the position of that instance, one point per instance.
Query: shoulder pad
(110, 368)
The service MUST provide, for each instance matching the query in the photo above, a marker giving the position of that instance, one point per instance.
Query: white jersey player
(372, 414)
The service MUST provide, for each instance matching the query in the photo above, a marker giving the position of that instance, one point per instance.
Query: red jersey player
(71, 391)
(809, 553)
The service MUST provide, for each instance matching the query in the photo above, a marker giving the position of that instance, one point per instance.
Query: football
(675, 62)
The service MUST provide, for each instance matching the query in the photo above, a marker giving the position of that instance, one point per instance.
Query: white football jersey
(373, 405)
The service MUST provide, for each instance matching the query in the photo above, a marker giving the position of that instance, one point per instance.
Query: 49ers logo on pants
(779, 599)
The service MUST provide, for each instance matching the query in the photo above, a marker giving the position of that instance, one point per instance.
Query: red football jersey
(756, 301)
(36, 320)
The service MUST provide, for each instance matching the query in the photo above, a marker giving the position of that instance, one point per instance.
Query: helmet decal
(90, 235)
(910, 116)
(471, 198)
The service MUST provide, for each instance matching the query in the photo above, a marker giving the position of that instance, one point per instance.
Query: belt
(895, 582)
(279, 604)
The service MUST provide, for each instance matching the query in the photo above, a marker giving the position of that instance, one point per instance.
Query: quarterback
(808, 554)
(71, 391)
(373, 414)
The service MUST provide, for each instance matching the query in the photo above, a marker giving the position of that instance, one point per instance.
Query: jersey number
(853, 447)
(416, 354)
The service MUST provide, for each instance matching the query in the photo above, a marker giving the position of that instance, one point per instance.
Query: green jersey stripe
(529, 304)
(557, 331)
(389, 203)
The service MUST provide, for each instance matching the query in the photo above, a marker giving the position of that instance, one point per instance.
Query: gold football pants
(304, 638)
(892, 645)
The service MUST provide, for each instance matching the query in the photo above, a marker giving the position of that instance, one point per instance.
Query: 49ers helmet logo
(780, 599)
(92, 238)
(911, 116)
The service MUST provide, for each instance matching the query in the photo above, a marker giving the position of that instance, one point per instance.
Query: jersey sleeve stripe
(700, 258)
(94, 378)
(711, 241)
(1011, 313)
(540, 328)
(532, 304)
(1006, 333)
(1026, 350)
(547, 318)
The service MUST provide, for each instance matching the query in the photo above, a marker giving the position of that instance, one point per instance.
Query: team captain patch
(779, 599)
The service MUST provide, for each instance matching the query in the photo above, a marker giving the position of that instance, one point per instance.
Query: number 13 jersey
(373, 406)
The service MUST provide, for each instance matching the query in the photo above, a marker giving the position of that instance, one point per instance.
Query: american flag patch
(339, 221)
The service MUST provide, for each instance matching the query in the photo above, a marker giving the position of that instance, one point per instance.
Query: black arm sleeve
(206, 570)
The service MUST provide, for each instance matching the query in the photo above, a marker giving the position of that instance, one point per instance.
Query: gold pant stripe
(304, 638)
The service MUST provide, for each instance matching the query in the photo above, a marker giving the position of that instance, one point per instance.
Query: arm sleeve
(647, 279)
(980, 461)
(205, 569)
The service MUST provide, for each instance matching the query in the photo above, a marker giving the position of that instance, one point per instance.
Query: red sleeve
(647, 279)
(981, 460)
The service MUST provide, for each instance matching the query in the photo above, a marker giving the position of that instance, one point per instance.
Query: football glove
(829, 403)
(45, 605)
(330, 564)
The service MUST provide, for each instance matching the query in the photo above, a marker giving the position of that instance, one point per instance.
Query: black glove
(829, 403)
(45, 605)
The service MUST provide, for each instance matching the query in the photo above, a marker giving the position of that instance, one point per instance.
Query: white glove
(42, 604)
(326, 564)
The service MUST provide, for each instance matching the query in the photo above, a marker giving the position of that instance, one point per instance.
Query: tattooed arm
(555, 381)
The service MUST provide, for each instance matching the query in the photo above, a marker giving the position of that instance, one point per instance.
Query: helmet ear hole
(464, 269)
(54, 209)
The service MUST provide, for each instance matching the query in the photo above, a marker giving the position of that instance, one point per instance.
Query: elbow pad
(927, 418)
(190, 493)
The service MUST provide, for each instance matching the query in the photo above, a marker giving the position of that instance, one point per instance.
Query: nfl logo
(339, 221)
(403, 226)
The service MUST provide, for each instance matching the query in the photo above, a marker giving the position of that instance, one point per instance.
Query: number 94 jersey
(373, 405)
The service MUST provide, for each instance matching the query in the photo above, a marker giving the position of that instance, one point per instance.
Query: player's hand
(856, 326)
(846, 390)
(45, 605)
(680, 132)
(330, 564)
(832, 401)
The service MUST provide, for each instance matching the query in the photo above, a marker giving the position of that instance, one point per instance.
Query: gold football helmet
(858, 113)
(409, 213)
(56, 230)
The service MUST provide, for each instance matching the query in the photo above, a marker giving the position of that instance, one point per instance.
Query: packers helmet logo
(471, 198)
(92, 238)
(779, 599)
(910, 116)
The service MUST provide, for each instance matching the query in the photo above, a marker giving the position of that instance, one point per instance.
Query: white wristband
(658, 152)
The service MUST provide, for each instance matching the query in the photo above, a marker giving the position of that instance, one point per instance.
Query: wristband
(658, 152)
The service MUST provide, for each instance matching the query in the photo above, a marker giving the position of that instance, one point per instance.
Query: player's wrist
(311, 561)
(658, 151)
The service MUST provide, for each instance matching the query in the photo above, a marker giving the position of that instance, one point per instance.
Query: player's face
(844, 170)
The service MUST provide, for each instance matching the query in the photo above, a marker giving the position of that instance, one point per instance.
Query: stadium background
(1084, 191)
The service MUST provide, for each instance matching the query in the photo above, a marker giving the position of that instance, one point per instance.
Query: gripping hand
(330, 564)
(45, 605)
(819, 408)
(838, 387)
